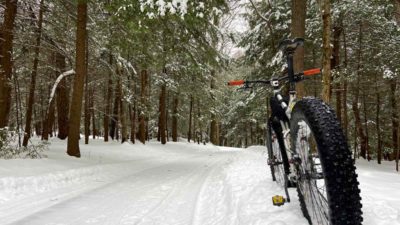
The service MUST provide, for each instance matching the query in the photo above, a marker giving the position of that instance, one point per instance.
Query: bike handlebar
(312, 72)
(298, 77)
(236, 82)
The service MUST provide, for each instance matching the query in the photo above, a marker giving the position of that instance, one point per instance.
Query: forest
(138, 70)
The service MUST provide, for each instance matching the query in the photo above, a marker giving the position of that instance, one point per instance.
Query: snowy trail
(176, 184)
(144, 197)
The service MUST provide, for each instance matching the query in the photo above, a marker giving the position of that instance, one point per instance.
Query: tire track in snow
(34, 204)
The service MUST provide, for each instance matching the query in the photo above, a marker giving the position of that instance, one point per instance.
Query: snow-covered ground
(176, 184)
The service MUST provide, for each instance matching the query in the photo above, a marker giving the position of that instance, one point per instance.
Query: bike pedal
(278, 200)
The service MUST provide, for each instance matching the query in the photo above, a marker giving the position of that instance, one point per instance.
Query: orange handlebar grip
(235, 82)
(312, 72)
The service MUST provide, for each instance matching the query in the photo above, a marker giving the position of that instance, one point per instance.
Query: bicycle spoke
(311, 182)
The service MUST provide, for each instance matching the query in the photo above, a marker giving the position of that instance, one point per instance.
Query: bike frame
(277, 89)
(292, 79)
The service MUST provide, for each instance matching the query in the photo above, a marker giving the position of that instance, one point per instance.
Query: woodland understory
(137, 70)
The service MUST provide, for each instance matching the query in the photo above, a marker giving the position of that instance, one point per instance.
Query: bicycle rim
(277, 160)
(311, 180)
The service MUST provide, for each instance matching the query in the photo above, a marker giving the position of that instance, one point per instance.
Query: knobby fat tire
(337, 164)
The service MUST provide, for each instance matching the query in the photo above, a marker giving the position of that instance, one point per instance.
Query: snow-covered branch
(59, 79)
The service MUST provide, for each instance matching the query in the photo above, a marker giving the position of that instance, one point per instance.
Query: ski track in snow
(176, 184)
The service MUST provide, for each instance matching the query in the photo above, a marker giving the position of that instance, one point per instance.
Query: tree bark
(92, 112)
(77, 93)
(366, 126)
(87, 97)
(142, 116)
(6, 63)
(106, 119)
(298, 27)
(122, 113)
(398, 150)
(214, 133)
(117, 101)
(175, 119)
(48, 122)
(335, 64)
(133, 124)
(162, 111)
(345, 86)
(190, 118)
(327, 51)
(62, 99)
(50, 117)
(355, 107)
(377, 118)
(394, 118)
(31, 100)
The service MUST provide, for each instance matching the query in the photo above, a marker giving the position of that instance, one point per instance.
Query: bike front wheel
(326, 180)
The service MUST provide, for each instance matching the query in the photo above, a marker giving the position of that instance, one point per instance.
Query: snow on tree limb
(59, 79)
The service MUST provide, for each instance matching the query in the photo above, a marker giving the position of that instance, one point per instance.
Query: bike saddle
(290, 45)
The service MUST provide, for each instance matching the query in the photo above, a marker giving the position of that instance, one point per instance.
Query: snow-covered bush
(10, 149)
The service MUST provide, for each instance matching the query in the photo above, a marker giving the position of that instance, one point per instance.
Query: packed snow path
(176, 184)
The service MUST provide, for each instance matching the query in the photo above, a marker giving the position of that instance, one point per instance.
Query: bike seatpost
(292, 82)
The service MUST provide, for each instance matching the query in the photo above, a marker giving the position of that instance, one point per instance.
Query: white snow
(179, 183)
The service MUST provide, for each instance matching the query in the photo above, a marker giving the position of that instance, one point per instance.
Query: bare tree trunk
(106, 120)
(62, 99)
(133, 124)
(6, 62)
(91, 107)
(355, 107)
(32, 88)
(327, 51)
(122, 115)
(345, 86)
(335, 64)
(142, 116)
(190, 118)
(18, 108)
(394, 118)
(77, 94)
(114, 119)
(298, 27)
(214, 133)
(175, 119)
(200, 134)
(87, 112)
(114, 131)
(163, 119)
(87, 97)
(398, 144)
(366, 126)
(377, 118)
(49, 120)
(167, 115)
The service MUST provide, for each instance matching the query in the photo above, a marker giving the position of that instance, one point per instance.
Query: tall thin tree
(6, 63)
(31, 100)
(298, 28)
(77, 94)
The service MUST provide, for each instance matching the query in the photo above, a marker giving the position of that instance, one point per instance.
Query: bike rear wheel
(277, 157)
(326, 180)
